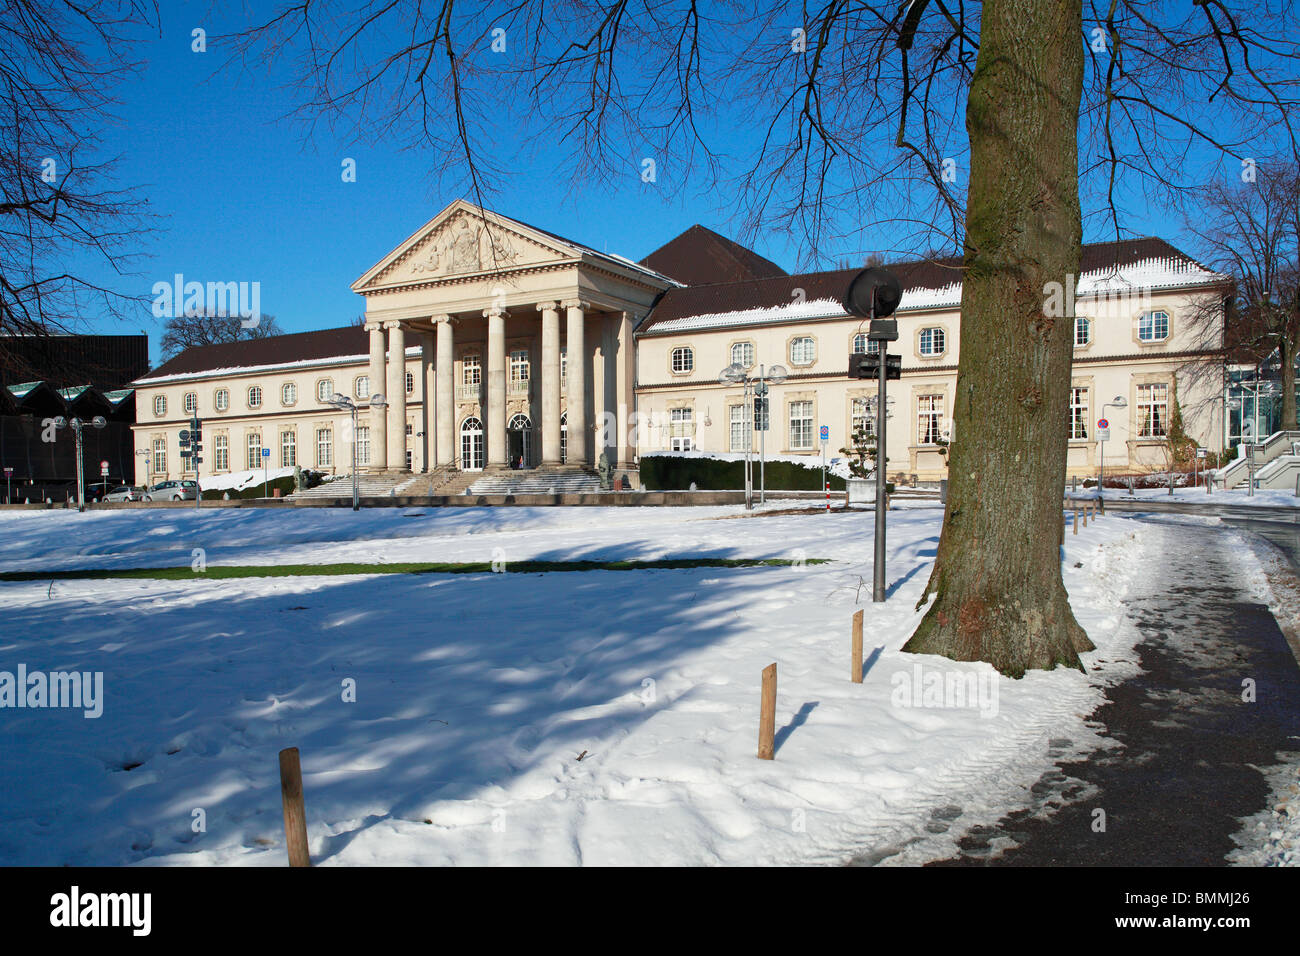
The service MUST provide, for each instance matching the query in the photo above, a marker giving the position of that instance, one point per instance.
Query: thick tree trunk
(1286, 354)
(997, 575)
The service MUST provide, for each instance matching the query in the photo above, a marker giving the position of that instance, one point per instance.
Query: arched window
(471, 444)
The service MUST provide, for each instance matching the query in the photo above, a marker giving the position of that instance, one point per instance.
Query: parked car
(125, 493)
(98, 490)
(172, 491)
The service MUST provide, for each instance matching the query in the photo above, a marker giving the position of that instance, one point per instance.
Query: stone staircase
(535, 481)
(1277, 466)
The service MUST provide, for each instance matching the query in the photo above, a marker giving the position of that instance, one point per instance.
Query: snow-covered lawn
(477, 694)
(1237, 497)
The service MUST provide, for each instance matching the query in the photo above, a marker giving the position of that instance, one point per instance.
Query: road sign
(8, 470)
(103, 468)
(1202, 452)
(1103, 434)
(266, 453)
(1102, 423)
(826, 433)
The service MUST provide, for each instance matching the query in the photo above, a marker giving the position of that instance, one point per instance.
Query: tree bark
(1286, 355)
(997, 574)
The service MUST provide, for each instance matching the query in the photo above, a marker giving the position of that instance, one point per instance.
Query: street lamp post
(1119, 401)
(77, 425)
(755, 388)
(341, 401)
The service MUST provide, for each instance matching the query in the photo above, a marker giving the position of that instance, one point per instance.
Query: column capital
(550, 306)
(442, 318)
(576, 304)
(493, 311)
(394, 324)
(375, 326)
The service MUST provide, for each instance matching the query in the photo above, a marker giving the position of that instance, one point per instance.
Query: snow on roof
(411, 351)
(771, 315)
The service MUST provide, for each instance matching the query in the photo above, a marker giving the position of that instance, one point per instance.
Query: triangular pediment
(464, 240)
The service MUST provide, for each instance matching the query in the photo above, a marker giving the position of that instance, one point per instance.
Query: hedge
(673, 473)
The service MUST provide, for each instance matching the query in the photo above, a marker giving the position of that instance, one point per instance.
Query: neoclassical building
(497, 344)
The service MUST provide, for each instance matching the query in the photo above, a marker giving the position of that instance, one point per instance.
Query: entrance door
(471, 445)
(519, 441)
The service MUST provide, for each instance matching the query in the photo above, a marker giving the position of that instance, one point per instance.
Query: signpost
(8, 474)
(191, 439)
(266, 482)
(825, 434)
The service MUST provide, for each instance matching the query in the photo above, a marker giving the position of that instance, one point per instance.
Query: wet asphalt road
(1182, 777)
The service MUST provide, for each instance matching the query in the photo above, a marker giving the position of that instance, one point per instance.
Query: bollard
(1171, 483)
(855, 666)
(767, 715)
(295, 815)
(1085, 516)
(1076, 521)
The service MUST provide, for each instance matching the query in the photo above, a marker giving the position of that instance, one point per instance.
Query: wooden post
(295, 814)
(1076, 521)
(1085, 514)
(855, 672)
(767, 715)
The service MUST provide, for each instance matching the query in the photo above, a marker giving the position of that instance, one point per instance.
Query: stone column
(550, 382)
(428, 389)
(496, 385)
(396, 396)
(576, 387)
(378, 416)
(625, 375)
(446, 401)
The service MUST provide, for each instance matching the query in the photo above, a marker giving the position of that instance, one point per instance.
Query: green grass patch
(407, 567)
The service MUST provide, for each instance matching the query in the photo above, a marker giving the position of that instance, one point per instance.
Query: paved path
(1174, 790)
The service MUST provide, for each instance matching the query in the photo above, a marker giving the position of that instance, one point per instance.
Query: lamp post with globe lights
(77, 425)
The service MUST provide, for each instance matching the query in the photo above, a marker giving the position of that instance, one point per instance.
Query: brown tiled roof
(724, 297)
(699, 255)
(275, 350)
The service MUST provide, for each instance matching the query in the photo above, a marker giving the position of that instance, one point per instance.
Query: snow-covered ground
(1237, 497)
(603, 717)
(239, 480)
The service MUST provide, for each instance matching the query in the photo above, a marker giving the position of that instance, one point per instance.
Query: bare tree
(945, 122)
(60, 62)
(194, 329)
(1250, 230)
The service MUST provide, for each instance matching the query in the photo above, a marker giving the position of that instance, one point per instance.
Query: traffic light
(862, 365)
(761, 420)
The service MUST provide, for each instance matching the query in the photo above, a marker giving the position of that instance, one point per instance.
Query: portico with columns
(517, 343)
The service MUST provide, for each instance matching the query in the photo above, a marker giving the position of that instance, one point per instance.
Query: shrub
(674, 473)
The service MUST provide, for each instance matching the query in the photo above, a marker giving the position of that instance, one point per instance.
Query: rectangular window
(160, 456)
(363, 444)
(519, 366)
(324, 447)
(471, 370)
(932, 341)
(801, 425)
(1078, 414)
(1153, 410)
(742, 436)
(288, 450)
(221, 452)
(1082, 331)
(802, 351)
(861, 419)
(254, 450)
(1153, 326)
(564, 368)
(682, 429)
(929, 414)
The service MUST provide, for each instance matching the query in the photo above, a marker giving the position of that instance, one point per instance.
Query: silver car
(125, 493)
(172, 491)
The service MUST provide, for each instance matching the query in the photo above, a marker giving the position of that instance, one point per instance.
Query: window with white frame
(254, 396)
(681, 429)
(325, 389)
(742, 353)
(220, 453)
(1078, 414)
(1153, 410)
(471, 370)
(803, 350)
(1153, 326)
(410, 383)
(221, 399)
(254, 456)
(860, 419)
(191, 402)
(929, 416)
(683, 360)
(324, 447)
(288, 449)
(864, 346)
(801, 425)
(160, 405)
(1082, 331)
(932, 341)
(361, 387)
(363, 444)
(742, 436)
(160, 456)
(288, 394)
(518, 366)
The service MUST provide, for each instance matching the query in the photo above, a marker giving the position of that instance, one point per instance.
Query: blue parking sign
(266, 453)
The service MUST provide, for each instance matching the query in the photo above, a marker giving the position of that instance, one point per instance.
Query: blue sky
(242, 197)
